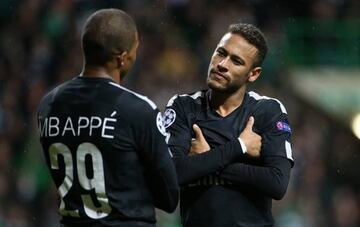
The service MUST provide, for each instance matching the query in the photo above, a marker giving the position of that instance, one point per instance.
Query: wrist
(242, 144)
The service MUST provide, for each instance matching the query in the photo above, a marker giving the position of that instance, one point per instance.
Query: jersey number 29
(97, 182)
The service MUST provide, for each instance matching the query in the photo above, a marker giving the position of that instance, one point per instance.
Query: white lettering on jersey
(54, 126)
(106, 126)
(43, 128)
(68, 126)
(93, 125)
(84, 126)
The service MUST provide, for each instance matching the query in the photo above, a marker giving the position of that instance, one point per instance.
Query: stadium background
(312, 67)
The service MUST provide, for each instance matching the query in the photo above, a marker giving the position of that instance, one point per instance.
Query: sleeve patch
(169, 117)
(282, 126)
(160, 124)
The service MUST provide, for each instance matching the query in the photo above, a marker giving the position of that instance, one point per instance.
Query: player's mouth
(218, 75)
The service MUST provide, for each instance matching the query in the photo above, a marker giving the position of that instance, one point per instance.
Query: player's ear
(120, 59)
(254, 74)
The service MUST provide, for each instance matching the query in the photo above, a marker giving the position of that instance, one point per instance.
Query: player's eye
(221, 53)
(237, 62)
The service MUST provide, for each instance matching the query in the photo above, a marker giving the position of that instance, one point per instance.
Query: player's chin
(215, 85)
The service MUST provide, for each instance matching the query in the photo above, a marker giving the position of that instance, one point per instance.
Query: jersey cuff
(243, 147)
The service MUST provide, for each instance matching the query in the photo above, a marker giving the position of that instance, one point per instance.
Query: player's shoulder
(134, 100)
(264, 103)
(51, 95)
(192, 98)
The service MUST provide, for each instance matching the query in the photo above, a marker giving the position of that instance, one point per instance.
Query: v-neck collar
(216, 114)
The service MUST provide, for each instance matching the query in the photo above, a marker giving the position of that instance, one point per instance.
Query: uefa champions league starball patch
(160, 124)
(169, 117)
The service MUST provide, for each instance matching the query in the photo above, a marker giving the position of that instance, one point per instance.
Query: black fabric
(190, 168)
(237, 190)
(105, 146)
(271, 179)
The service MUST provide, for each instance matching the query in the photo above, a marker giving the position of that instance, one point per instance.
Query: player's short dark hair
(107, 32)
(254, 36)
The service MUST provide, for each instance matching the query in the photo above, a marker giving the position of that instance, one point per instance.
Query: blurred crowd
(40, 48)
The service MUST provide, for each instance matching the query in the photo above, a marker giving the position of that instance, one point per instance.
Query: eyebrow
(233, 57)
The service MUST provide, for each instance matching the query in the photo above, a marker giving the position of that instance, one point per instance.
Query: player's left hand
(199, 144)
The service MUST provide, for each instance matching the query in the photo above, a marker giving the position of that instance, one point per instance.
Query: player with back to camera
(104, 144)
(231, 147)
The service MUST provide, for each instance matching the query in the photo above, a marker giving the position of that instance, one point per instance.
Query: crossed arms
(271, 178)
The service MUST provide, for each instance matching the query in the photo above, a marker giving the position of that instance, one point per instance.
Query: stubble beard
(220, 88)
(213, 84)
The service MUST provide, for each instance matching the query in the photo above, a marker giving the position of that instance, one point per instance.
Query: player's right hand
(251, 140)
(199, 144)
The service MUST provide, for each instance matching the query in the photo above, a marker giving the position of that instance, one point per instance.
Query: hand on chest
(218, 130)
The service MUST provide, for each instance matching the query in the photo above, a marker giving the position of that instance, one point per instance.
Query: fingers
(251, 139)
(250, 124)
(198, 132)
(199, 144)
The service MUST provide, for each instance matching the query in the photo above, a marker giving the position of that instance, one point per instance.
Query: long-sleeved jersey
(106, 151)
(224, 187)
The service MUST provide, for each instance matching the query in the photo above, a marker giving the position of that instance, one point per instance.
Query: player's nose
(223, 65)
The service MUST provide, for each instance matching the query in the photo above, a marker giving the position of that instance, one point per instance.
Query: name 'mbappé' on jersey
(106, 151)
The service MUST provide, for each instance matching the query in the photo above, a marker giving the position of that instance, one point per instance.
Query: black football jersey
(106, 151)
(209, 199)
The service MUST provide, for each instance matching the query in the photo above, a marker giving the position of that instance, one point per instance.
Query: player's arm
(272, 177)
(160, 172)
(201, 157)
(192, 167)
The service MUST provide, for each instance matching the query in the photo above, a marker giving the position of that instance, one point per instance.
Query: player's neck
(226, 103)
(99, 72)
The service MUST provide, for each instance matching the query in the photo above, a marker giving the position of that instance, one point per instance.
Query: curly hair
(254, 36)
